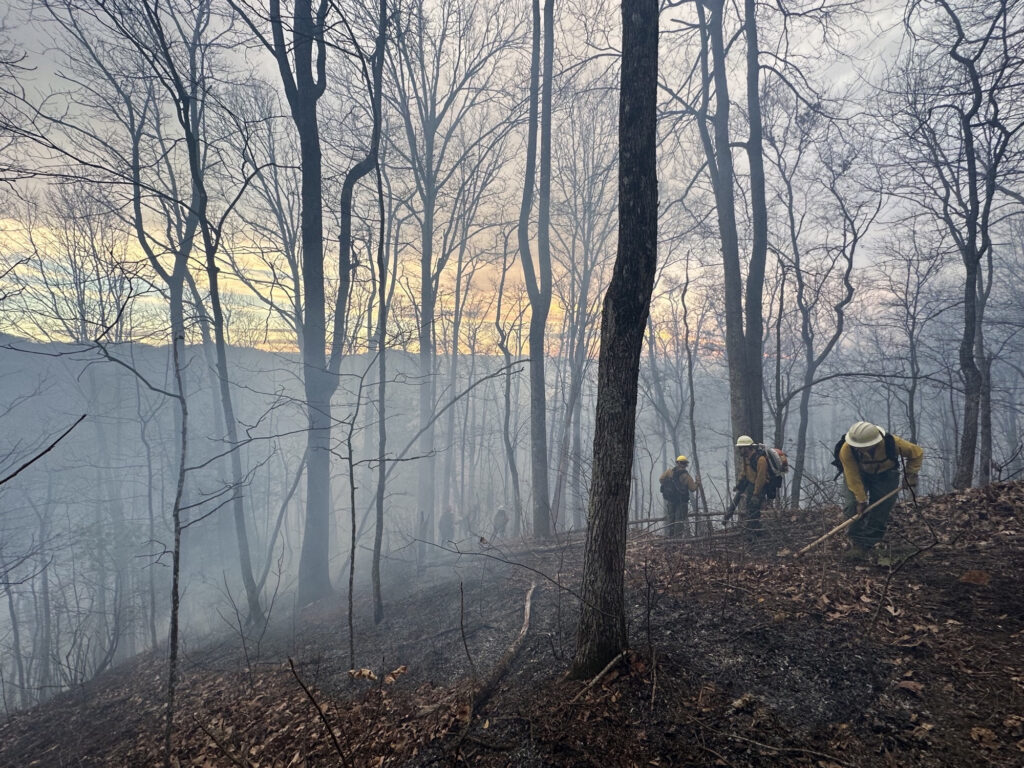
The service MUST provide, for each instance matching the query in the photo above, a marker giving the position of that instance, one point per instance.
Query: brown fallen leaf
(911, 685)
(978, 578)
(744, 702)
(985, 737)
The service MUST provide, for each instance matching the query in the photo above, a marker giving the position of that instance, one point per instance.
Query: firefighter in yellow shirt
(869, 460)
(751, 482)
(676, 486)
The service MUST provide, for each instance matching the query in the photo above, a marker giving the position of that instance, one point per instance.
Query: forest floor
(742, 656)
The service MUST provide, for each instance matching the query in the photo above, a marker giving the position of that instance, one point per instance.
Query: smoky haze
(334, 322)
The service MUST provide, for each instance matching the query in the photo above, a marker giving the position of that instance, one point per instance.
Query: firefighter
(500, 523)
(751, 483)
(676, 485)
(869, 459)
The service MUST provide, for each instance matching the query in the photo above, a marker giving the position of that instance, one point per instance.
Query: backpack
(672, 491)
(778, 461)
(778, 465)
(890, 452)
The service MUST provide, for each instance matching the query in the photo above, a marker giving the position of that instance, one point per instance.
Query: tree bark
(601, 634)
(538, 280)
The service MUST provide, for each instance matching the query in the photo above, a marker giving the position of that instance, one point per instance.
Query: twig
(897, 569)
(801, 750)
(241, 762)
(323, 715)
(462, 629)
(654, 676)
(42, 453)
(599, 675)
(497, 746)
(846, 523)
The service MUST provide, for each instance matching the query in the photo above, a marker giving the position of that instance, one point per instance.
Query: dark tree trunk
(602, 628)
(538, 280)
(985, 421)
(314, 574)
(753, 360)
(972, 380)
(743, 346)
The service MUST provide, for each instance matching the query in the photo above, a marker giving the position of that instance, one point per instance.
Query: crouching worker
(868, 457)
(676, 485)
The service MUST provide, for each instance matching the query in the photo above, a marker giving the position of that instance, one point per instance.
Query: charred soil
(742, 655)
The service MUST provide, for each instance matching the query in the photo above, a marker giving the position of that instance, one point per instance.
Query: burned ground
(741, 656)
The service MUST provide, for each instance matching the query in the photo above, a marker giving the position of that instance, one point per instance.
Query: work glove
(861, 507)
(910, 481)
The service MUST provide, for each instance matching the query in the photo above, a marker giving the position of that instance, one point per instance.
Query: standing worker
(751, 483)
(869, 458)
(676, 485)
(500, 523)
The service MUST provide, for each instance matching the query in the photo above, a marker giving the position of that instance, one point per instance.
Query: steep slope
(741, 657)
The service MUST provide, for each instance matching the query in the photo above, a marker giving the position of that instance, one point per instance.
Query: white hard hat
(744, 441)
(864, 434)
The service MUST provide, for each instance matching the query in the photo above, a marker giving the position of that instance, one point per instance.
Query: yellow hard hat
(743, 441)
(681, 460)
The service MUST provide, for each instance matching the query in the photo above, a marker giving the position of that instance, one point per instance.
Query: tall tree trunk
(743, 346)
(428, 462)
(753, 359)
(578, 502)
(602, 627)
(506, 421)
(801, 438)
(177, 362)
(539, 290)
(972, 378)
(985, 421)
(19, 660)
(701, 523)
(314, 571)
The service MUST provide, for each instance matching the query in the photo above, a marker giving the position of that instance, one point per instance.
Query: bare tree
(601, 635)
(538, 277)
(444, 73)
(956, 120)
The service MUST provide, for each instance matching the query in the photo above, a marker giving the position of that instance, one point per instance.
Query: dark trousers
(870, 529)
(677, 513)
(752, 512)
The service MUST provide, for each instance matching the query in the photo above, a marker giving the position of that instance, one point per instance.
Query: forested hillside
(742, 657)
(329, 327)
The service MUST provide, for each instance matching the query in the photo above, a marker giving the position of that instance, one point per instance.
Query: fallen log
(486, 689)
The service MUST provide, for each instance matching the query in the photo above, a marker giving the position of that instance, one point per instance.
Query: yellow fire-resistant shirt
(873, 461)
(755, 475)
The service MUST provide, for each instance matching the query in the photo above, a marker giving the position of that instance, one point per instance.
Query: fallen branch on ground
(597, 677)
(480, 695)
(240, 761)
(323, 716)
(486, 689)
(762, 745)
